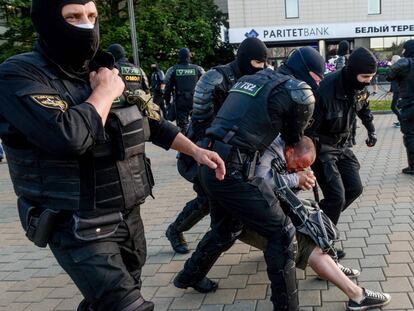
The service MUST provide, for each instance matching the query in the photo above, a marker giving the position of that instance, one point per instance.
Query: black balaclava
(68, 46)
(184, 56)
(343, 48)
(361, 61)
(117, 51)
(408, 48)
(154, 67)
(304, 60)
(250, 49)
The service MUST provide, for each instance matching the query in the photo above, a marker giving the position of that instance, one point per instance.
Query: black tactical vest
(243, 121)
(406, 85)
(112, 176)
(186, 77)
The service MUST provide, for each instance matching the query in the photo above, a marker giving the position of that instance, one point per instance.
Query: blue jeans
(1, 152)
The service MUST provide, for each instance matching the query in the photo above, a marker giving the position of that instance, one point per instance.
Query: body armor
(212, 90)
(244, 121)
(112, 176)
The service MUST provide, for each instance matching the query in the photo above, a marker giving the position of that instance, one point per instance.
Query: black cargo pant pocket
(92, 229)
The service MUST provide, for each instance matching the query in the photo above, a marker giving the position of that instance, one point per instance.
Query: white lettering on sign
(324, 31)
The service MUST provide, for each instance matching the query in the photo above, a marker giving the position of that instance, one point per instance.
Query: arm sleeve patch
(50, 101)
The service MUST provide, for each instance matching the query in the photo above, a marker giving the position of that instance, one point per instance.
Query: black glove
(371, 140)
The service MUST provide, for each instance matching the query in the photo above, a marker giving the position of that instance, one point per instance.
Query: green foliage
(19, 36)
(380, 105)
(163, 27)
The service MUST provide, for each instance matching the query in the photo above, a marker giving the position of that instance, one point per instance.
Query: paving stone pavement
(378, 232)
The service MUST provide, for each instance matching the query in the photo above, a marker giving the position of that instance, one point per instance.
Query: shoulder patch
(50, 101)
(131, 71)
(181, 72)
(247, 88)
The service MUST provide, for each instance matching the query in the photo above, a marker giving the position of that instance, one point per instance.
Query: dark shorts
(305, 245)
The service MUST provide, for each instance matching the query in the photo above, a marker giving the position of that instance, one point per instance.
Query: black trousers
(236, 203)
(407, 128)
(394, 104)
(184, 105)
(107, 271)
(159, 100)
(194, 210)
(337, 172)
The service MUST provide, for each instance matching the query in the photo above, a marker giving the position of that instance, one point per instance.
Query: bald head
(301, 155)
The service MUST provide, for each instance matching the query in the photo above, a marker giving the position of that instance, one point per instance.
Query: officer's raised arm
(107, 85)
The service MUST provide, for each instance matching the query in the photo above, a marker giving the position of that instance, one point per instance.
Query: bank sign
(323, 31)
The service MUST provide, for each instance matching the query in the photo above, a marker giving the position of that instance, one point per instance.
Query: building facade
(375, 24)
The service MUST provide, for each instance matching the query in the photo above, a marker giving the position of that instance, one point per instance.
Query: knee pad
(193, 212)
(283, 273)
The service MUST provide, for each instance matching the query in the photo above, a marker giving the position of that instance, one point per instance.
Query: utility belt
(236, 159)
(184, 92)
(333, 141)
(40, 223)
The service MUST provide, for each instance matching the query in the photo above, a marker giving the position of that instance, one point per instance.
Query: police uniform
(210, 93)
(133, 76)
(403, 73)
(79, 184)
(156, 80)
(336, 167)
(249, 120)
(180, 81)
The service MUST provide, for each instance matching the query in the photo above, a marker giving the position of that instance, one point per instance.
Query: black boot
(408, 170)
(204, 286)
(177, 240)
(146, 306)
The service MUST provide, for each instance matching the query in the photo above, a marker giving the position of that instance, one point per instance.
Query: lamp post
(134, 41)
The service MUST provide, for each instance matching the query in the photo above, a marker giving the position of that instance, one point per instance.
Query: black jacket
(335, 111)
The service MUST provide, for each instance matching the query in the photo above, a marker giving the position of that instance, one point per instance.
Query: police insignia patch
(247, 88)
(50, 101)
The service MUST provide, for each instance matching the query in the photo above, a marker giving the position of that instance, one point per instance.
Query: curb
(382, 112)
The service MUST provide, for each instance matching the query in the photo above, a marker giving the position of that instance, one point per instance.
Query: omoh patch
(50, 101)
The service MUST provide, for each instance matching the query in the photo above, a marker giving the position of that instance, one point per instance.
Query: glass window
(377, 43)
(374, 6)
(292, 8)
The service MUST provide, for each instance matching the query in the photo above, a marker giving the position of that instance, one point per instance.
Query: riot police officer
(210, 92)
(77, 165)
(403, 72)
(157, 87)
(133, 76)
(258, 108)
(336, 167)
(180, 81)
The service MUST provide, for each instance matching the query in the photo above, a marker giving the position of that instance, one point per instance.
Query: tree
(163, 26)
(19, 36)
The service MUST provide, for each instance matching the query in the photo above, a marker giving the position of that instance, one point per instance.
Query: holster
(37, 223)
